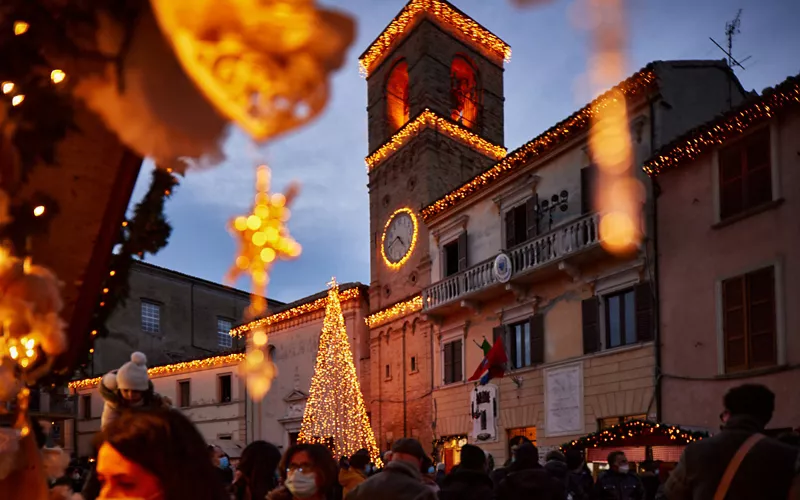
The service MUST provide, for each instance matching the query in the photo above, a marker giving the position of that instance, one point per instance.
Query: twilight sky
(544, 83)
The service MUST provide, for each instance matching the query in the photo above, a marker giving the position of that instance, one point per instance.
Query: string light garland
(616, 435)
(564, 131)
(398, 310)
(414, 224)
(161, 371)
(335, 413)
(729, 125)
(444, 13)
(308, 307)
(430, 119)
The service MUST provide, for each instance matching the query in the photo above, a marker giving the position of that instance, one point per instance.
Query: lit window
(224, 339)
(151, 317)
(464, 92)
(397, 109)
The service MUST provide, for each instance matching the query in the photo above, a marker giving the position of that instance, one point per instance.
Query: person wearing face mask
(155, 455)
(308, 472)
(618, 482)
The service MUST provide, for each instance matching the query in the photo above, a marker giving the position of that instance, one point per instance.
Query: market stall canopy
(636, 433)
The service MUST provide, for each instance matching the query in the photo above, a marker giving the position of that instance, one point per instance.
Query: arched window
(464, 92)
(397, 96)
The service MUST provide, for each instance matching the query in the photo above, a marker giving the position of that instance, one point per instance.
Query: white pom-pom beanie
(133, 374)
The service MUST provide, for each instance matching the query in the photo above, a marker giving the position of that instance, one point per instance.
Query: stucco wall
(694, 256)
(211, 417)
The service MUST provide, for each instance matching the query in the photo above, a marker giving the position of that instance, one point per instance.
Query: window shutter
(537, 339)
(448, 363)
(510, 241)
(733, 323)
(532, 216)
(458, 373)
(761, 317)
(588, 183)
(644, 312)
(462, 251)
(590, 309)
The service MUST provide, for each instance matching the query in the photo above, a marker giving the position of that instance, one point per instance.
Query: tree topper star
(263, 238)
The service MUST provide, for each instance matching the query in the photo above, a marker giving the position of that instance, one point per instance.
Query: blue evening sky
(543, 84)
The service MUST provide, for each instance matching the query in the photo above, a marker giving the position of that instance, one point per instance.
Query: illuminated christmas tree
(335, 414)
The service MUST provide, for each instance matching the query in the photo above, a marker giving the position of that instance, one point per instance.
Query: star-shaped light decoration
(263, 238)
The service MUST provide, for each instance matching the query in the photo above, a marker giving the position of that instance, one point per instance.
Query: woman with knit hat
(129, 387)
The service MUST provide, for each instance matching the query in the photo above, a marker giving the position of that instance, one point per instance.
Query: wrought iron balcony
(538, 253)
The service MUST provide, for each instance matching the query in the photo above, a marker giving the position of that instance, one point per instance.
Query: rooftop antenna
(731, 30)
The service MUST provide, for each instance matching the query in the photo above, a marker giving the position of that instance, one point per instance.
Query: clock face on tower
(399, 238)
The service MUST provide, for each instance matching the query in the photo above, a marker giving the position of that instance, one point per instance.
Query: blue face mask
(431, 470)
(368, 469)
(224, 463)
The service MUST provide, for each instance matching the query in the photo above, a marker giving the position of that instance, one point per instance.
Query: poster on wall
(483, 410)
(563, 400)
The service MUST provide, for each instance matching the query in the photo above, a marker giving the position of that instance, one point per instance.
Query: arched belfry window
(464, 92)
(397, 96)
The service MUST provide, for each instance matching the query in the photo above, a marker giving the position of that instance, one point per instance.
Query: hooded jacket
(399, 480)
(465, 484)
(526, 479)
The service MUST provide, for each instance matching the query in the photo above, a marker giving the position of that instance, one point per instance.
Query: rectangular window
(452, 362)
(225, 437)
(451, 258)
(224, 340)
(151, 317)
(387, 371)
(184, 394)
(522, 222)
(413, 363)
(748, 320)
(620, 319)
(86, 406)
(293, 437)
(745, 174)
(519, 344)
(225, 388)
(588, 187)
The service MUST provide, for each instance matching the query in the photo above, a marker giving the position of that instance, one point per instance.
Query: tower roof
(446, 15)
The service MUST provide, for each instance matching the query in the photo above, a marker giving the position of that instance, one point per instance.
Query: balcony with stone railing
(549, 251)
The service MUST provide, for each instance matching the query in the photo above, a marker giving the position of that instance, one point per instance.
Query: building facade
(293, 335)
(471, 244)
(170, 317)
(208, 391)
(728, 262)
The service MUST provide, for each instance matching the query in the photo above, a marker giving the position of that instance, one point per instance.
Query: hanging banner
(484, 411)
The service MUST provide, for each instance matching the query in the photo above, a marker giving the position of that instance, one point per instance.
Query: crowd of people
(152, 452)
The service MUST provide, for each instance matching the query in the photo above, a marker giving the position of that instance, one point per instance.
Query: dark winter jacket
(579, 485)
(651, 483)
(615, 486)
(466, 484)
(766, 473)
(530, 483)
(557, 469)
(399, 481)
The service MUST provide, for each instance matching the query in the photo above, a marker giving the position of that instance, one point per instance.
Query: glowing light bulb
(255, 357)
(253, 222)
(259, 338)
(8, 87)
(259, 239)
(278, 199)
(13, 352)
(17, 99)
(267, 254)
(57, 76)
(20, 27)
(29, 343)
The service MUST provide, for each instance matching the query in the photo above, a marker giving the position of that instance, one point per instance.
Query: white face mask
(624, 469)
(301, 484)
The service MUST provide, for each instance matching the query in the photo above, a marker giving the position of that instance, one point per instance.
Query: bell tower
(435, 113)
